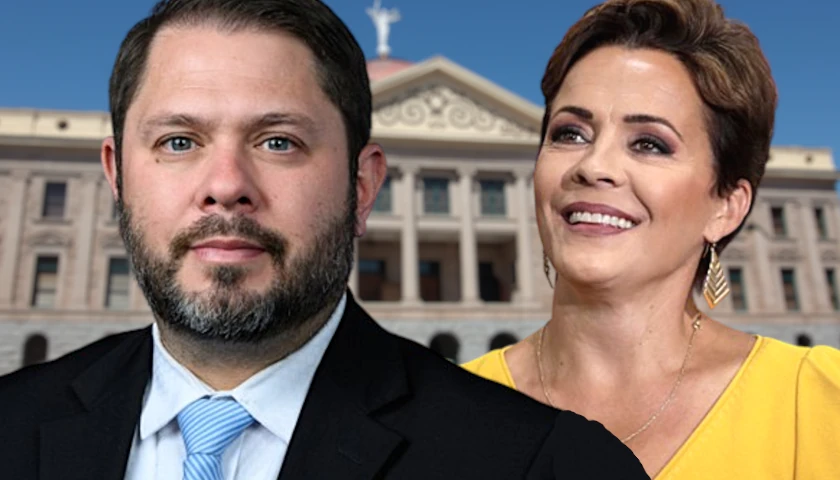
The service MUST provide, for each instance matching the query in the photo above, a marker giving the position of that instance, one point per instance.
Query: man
(242, 170)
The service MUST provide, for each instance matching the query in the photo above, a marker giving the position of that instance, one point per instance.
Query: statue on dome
(382, 20)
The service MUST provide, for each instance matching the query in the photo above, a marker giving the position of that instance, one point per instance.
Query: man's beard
(227, 311)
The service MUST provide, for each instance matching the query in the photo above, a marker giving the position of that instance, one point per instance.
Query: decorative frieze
(438, 107)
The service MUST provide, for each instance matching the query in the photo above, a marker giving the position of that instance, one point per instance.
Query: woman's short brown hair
(724, 60)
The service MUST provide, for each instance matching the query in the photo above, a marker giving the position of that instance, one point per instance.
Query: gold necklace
(695, 324)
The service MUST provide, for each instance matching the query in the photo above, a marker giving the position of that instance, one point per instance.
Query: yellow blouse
(779, 418)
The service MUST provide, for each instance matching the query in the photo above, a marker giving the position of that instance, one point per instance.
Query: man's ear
(369, 179)
(108, 157)
(731, 211)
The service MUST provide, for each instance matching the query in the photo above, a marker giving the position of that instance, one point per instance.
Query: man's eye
(179, 144)
(278, 144)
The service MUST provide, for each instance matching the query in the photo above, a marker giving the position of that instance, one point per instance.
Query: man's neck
(226, 365)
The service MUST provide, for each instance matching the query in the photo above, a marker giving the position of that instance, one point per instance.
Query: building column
(834, 231)
(467, 245)
(524, 251)
(353, 281)
(410, 281)
(766, 277)
(11, 242)
(86, 226)
(808, 244)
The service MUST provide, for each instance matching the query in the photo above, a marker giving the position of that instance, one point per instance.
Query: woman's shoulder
(818, 412)
(776, 351)
(491, 366)
(787, 365)
(819, 376)
(818, 365)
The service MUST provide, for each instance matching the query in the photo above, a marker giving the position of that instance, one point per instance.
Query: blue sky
(57, 54)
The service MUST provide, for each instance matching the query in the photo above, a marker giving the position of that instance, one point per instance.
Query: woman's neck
(612, 338)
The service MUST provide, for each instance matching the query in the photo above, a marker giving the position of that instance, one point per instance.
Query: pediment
(786, 254)
(438, 100)
(112, 240)
(829, 256)
(735, 253)
(49, 239)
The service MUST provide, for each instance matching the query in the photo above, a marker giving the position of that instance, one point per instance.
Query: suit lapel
(337, 436)
(95, 444)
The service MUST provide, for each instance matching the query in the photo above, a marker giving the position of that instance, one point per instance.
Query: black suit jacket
(379, 406)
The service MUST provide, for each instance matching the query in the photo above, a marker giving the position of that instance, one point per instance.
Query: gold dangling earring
(547, 270)
(715, 287)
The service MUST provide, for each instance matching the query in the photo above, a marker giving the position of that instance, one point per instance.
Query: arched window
(446, 345)
(501, 340)
(804, 340)
(34, 350)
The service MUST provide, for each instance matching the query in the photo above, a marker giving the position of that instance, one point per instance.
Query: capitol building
(452, 258)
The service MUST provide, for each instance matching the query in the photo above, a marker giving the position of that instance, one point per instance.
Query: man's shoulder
(497, 425)
(37, 382)
(435, 378)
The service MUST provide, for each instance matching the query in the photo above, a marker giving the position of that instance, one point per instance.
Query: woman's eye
(651, 145)
(567, 135)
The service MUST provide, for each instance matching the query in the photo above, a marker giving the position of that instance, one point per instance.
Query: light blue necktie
(209, 426)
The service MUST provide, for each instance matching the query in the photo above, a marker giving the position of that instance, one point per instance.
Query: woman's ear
(730, 212)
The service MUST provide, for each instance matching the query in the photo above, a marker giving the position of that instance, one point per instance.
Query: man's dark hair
(340, 64)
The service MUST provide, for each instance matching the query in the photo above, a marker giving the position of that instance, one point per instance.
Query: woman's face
(624, 182)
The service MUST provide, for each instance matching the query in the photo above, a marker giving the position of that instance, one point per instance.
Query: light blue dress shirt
(273, 396)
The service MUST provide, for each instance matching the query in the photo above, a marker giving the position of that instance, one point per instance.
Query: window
(739, 297)
(435, 195)
(371, 279)
(831, 281)
(789, 287)
(804, 340)
(376, 267)
(779, 227)
(430, 288)
(493, 197)
(383, 199)
(489, 287)
(55, 195)
(822, 227)
(119, 284)
(46, 282)
(502, 340)
(446, 345)
(34, 350)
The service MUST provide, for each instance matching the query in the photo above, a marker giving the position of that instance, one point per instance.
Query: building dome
(380, 68)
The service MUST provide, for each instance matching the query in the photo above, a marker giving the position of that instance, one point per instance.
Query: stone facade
(452, 257)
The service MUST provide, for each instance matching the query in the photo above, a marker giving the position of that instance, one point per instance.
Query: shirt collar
(274, 396)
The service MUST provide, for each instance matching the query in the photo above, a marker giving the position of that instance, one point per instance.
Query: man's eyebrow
(276, 118)
(191, 122)
(174, 120)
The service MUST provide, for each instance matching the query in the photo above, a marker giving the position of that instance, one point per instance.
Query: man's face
(237, 207)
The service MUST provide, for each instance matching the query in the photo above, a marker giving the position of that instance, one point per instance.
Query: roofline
(492, 91)
(51, 142)
(797, 174)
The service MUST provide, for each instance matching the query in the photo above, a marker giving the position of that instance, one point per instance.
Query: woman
(659, 117)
